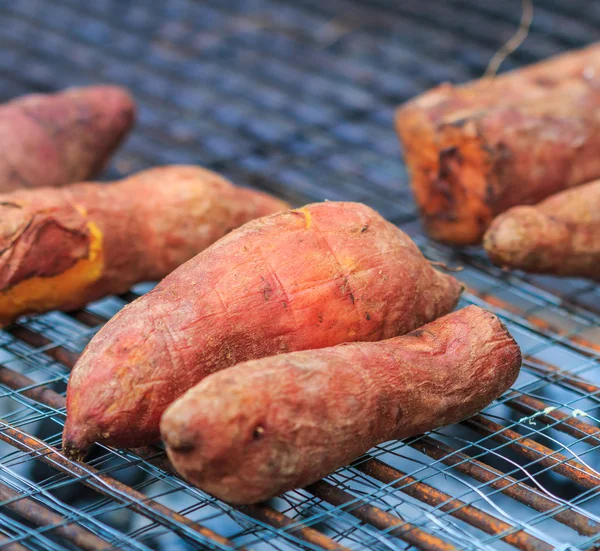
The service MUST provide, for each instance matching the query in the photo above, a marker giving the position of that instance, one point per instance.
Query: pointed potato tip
(74, 453)
(75, 448)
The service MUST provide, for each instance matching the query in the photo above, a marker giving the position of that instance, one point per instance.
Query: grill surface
(297, 98)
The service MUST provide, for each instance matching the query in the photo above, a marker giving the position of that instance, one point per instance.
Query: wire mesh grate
(297, 98)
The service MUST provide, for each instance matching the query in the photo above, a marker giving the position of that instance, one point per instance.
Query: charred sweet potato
(61, 248)
(476, 150)
(57, 139)
(308, 278)
(559, 236)
(270, 425)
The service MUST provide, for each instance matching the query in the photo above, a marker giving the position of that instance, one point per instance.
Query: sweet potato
(61, 248)
(309, 278)
(559, 236)
(476, 150)
(267, 426)
(57, 139)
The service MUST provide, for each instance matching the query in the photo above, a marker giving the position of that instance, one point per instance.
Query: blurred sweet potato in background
(49, 140)
(473, 151)
(559, 236)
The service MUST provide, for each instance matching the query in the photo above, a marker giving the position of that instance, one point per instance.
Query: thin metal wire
(514, 42)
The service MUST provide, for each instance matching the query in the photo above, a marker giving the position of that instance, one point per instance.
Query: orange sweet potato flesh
(57, 139)
(476, 150)
(309, 278)
(62, 248)
(271, 425)
(559, 236)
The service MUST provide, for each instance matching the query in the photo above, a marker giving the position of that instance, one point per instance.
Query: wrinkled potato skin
(308, 278)
(473, 151)
(50, 140)
(267, 426)
(559, 236)
(149, 224)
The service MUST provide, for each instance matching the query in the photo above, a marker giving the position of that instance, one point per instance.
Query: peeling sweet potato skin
(41, 235)
(271, 425)
(559, 236)
(149, 224)
(308, 278)
(50, 140)
(476, 150)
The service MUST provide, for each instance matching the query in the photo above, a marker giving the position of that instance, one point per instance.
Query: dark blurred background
(296, 97)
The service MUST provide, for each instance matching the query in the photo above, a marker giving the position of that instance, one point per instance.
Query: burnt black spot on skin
(446, 157)
(364, 228)
(450, 159)
(284, 303)
(351, 297)
(368, 316)
(320, 318)
(258, 432)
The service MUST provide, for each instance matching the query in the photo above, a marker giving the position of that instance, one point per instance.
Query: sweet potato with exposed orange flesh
(271, 425)
(559, 236)
(49, 140)
(61, 248)
(309, 278)
(476, 150)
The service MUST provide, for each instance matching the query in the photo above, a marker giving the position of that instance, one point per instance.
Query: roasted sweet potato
(57, 139)
(309, 278)
(270, 425)
(559, 236)
(61, 248)
(476, 150)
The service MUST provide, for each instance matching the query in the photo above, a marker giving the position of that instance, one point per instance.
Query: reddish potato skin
(150, 223)
(57, 139)
(270, 425)
(309, 278)
(473, 151)
(559, 236)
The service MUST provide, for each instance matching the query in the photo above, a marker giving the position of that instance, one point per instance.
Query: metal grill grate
(297, 98)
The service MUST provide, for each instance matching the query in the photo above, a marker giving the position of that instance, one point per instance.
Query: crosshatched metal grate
(297, 98)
